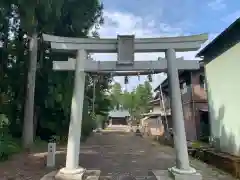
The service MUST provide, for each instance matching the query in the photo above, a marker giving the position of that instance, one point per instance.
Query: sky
(159, 18)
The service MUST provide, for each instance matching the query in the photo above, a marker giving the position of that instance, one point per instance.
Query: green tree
(26, 20)
(128, 101)
(116, 95)
(143, 97)
(136, 101)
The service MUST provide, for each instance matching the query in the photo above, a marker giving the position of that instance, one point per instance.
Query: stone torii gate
(126, 46)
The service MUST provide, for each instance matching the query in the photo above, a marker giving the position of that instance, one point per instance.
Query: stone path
(115, 153)
(112, 153)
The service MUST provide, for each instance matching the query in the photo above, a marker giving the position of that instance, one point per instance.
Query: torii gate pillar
(72, 168)
(180, 142)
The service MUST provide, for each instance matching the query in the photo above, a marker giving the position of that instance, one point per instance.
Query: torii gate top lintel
(125, 46)
(110, 45)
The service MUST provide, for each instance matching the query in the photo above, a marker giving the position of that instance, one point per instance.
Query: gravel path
(112, 153)
(116, 153)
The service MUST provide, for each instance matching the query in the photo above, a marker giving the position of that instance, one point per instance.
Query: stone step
(166, 175)
(88, 175)
(126, 176)
(91, 175)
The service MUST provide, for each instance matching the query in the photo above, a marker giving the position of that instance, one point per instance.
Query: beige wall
(223, 83)
(156, 108)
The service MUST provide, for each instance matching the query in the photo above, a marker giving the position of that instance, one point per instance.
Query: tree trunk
(28, 125)
(35, 122)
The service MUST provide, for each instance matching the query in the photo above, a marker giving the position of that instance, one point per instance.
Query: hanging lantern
(94, 79)
(101, 79)
(149, 77)
(139, 76)
(125, 87)
(111, 75)
(126, 80)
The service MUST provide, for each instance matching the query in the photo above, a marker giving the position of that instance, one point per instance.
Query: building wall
(222, 76)
(199, 92)
(166, 120)
(194, 99)
(189, 122)
(118, 121)
(191, 111)
(157, 107)
(198, 102)
(187, 96)
(196, 90)
(166, 101)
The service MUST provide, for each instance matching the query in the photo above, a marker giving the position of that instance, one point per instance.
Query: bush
(88, 125)
(8, 147)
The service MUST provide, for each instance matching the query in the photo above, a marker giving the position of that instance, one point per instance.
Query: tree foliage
(136, 101)
(19, 20)
(116, 95)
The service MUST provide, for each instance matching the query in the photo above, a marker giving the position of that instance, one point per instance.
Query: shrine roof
(164, 83)
(118, 113)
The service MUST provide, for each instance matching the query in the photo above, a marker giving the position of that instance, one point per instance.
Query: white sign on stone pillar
(51, 154)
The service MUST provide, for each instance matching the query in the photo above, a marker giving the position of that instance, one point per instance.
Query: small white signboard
(51, 154)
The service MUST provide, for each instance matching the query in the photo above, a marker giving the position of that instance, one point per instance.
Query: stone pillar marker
(72, 169)
(51, 155)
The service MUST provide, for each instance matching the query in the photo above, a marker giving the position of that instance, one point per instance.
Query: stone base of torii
(126, 46)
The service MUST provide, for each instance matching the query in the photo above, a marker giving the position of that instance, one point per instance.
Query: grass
(10, 146)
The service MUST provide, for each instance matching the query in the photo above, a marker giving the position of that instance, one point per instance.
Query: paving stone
(127, 153)
(111, 153)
